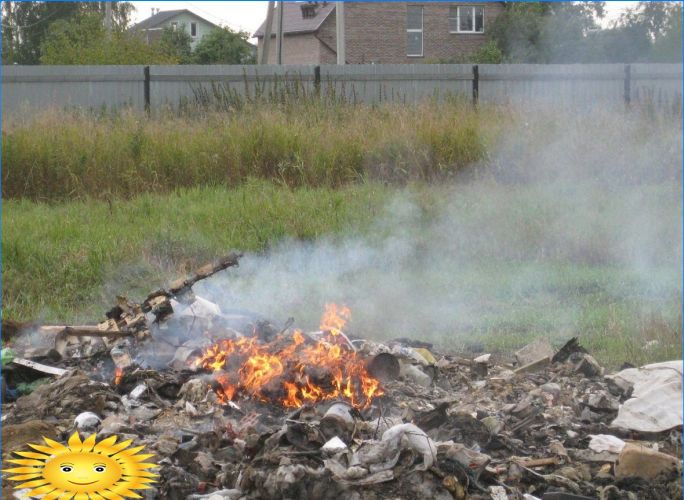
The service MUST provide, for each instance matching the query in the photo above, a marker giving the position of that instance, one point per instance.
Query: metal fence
(30, 89)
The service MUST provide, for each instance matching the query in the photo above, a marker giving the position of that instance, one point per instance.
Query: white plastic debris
(415, 375)
(138, 391)
(87, 421)
(656, 402)
(190, 409)
(498, 493)
(334, 445)
(417, 440)
(200, 308)
(606, 442)
(483, 359)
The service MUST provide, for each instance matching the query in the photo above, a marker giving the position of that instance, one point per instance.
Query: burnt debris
(235, 407)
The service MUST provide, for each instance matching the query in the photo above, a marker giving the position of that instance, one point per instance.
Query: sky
(247, 16)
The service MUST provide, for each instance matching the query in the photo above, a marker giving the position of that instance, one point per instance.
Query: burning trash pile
(236, 407)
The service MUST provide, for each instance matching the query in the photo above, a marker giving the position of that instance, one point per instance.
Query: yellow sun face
(83, 470)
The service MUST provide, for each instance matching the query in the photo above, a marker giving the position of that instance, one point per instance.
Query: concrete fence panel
(657, 85)
(558, 85)
(171, 86)
(29, 89)
(404, 83)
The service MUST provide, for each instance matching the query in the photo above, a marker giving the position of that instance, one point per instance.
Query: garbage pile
(236, 407)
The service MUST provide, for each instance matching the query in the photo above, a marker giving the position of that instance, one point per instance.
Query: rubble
(236, 407)
(643, 462)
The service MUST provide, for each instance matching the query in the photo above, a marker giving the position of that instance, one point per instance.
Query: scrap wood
(50, 370)
(536, 462)
(83, 331)
(181, 286)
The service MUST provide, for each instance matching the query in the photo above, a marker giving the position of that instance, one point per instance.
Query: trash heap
(235, 407)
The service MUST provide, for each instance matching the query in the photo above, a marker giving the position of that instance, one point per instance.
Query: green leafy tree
(176, 43)
(668, 46)
(84, 40)
(224, 46)
(26, 24)
(489, 53)
(657, 23)
(545, 32)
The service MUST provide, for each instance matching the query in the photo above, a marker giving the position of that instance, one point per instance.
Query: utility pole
(108, 18)
(279, 34)
(339, 17)
(267, 34)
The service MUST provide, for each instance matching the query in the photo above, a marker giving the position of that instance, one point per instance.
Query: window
(464, 19)
(174, 26)
(414, 31)
(193, 30)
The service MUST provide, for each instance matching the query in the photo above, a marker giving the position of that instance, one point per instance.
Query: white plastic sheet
(656, 402)
(606, 442)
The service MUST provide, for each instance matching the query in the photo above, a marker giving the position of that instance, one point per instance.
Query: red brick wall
(376, 33)
(297, 49)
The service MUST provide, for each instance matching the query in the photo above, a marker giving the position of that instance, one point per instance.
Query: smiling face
(82, 472)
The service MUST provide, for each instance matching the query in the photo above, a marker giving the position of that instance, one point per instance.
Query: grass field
(66, 262)
(467, 228)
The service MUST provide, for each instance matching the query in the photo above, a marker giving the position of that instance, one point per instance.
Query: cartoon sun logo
(83, 470)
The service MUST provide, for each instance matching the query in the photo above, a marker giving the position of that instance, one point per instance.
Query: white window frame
(458, 19)
(174, 25)
(422, 38)
(193, 25)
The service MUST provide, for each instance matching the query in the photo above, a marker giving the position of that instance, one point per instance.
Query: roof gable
(162, 17)
(294, 22)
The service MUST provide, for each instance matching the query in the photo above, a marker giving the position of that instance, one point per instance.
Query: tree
(224, 46)
(668, 46)
(176, 43)
(489, 53)
(659, 24)
(26, 24)
(84, 40)
(545, 32)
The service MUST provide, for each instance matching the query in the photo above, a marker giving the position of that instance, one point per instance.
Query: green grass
(66, 262)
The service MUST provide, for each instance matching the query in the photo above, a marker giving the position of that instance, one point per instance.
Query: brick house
(382, 32)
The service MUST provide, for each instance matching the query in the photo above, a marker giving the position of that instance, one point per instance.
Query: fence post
(628, 84)
(317, 80)
(476, 84)
(146, 88)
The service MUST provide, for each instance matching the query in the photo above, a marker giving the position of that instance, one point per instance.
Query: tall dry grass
(60, 155)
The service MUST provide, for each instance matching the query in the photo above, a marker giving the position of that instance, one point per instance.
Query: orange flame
(292, 371)
(118, 375)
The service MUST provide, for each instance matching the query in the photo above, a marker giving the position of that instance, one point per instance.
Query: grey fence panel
(28, 89)
(558, 85)
(658, 85)
(373, 83)
(174, 85)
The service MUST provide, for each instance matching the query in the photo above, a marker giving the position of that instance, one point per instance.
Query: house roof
(293, 22)
(161, 17)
